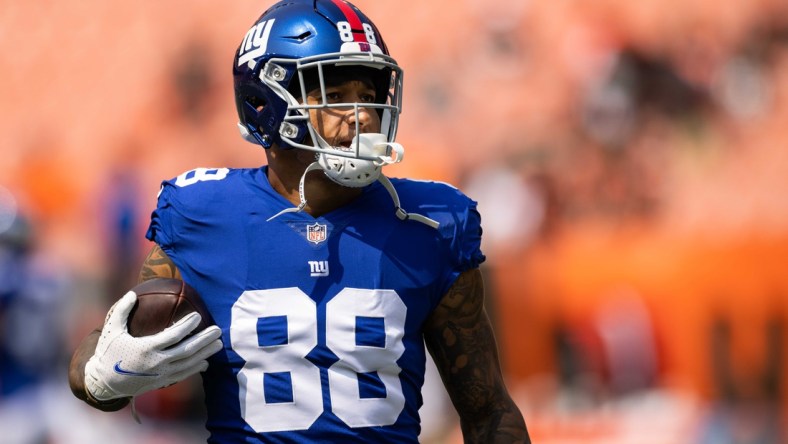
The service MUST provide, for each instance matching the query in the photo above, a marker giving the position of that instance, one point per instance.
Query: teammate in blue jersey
(325, 278)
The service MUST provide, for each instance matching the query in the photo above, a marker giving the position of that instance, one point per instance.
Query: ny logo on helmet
(255, 42)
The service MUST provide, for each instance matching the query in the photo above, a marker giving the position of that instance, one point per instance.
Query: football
(161, 302)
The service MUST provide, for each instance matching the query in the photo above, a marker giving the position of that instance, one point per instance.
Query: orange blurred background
(629, 160)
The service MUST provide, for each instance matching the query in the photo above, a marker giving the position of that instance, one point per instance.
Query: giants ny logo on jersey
(318, 268)
(255, 42)
(316, 233)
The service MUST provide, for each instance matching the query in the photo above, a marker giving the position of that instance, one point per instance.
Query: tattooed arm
(156, 265)
(461, 341)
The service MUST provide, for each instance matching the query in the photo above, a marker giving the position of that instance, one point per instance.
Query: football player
(324, 277)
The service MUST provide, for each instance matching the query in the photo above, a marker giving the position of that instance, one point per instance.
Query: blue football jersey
(321, 317)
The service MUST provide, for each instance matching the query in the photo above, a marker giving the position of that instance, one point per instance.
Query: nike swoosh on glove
(124, 366)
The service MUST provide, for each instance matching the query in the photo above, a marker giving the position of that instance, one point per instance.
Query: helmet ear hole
(257, 103)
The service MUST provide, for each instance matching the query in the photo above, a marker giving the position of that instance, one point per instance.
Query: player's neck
(322, 195)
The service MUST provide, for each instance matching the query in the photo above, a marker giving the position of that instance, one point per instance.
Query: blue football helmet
(298, 45)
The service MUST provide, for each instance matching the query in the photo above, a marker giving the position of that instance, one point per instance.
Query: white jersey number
(201, 175)
(287, 356)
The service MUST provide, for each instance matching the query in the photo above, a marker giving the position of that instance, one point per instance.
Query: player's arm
(156, 265)
(459, 337)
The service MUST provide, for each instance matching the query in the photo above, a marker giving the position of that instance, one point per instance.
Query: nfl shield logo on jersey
(316, 233)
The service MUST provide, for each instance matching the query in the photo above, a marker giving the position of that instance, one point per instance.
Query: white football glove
(124, 366)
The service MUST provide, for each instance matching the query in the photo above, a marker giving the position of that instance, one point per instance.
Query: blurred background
(630, 160)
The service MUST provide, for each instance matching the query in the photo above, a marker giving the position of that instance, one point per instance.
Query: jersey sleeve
(469, 253)
(161, 229)
(463, 233)
(465, 237)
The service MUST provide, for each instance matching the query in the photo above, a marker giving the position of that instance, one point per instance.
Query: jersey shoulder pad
(460, 222)
(200, 197)
(434, 199)
(195, 187)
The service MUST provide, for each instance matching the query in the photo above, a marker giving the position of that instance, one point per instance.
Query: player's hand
(124, 366)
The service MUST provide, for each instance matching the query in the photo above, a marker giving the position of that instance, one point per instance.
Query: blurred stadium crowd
(629, 160)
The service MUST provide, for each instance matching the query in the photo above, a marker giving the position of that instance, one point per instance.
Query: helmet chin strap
(323, 165)
(402, 214)
(301, 195)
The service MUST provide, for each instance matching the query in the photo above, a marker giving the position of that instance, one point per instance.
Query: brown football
(161, 302)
